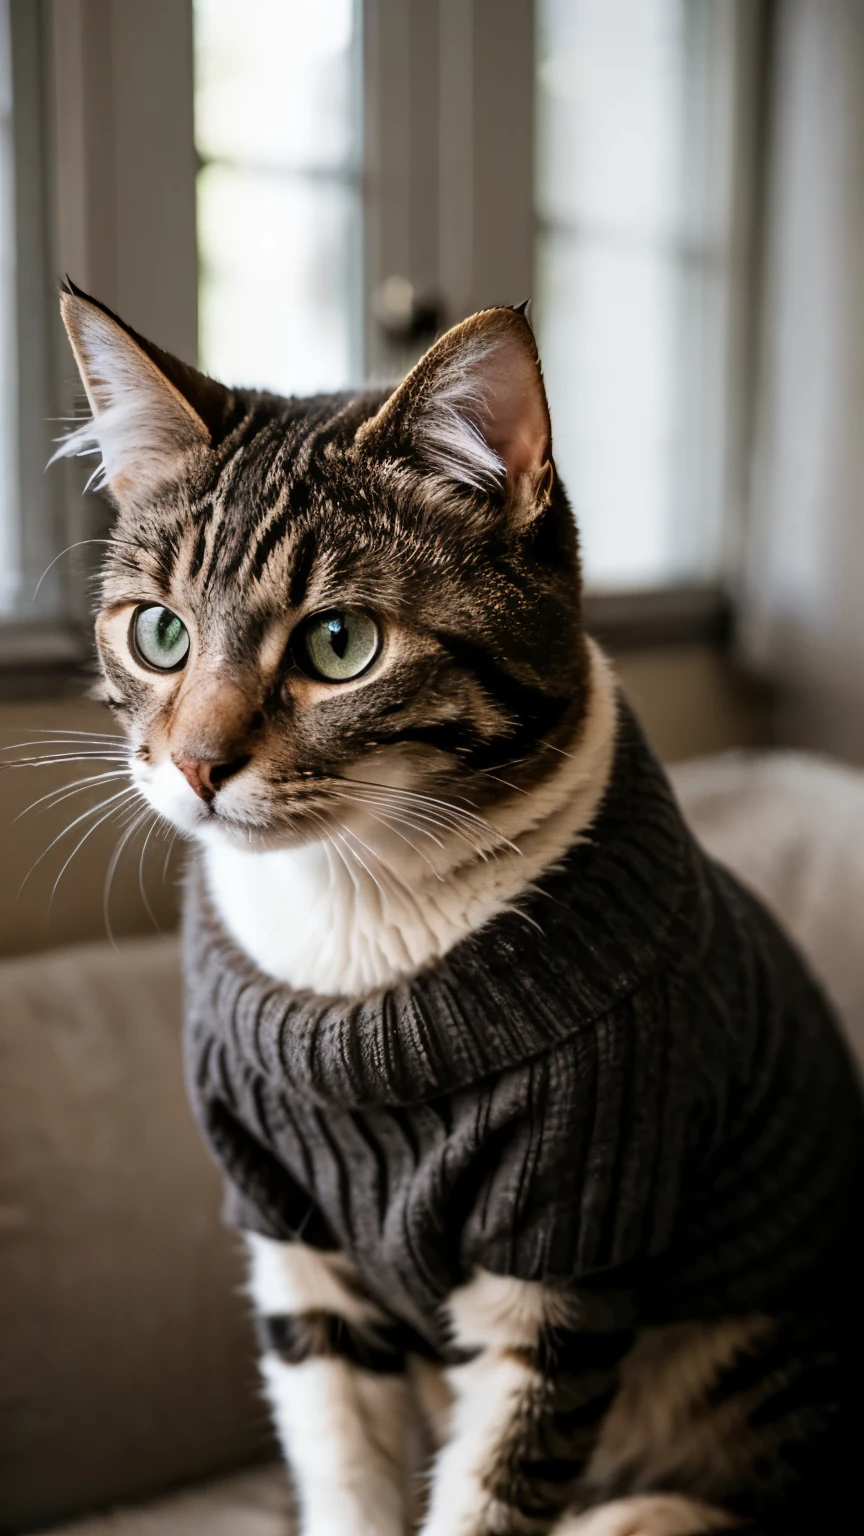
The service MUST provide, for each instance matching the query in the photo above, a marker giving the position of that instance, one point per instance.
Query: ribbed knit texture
(634, 1075)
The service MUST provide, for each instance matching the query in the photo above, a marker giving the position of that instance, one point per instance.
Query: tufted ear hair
(474, 408)
(148, 408)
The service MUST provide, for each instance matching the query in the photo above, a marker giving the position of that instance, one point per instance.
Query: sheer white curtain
(803, 610)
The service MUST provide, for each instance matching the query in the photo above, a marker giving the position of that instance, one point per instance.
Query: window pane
(10, 554)
(277, 309)
(634, 130)
(613, 412)
(277, 110)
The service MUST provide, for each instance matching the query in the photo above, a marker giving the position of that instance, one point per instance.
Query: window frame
(476, 157)
(116, 210)
(105, 191)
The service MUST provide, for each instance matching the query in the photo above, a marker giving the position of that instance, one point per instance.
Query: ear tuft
(450, 427)
(142, 424)
(474, 408)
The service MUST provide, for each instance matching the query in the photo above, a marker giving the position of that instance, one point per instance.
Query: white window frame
(450, 207)
(105, 191)
(106, 155)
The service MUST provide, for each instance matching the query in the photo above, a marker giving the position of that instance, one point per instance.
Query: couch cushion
(248, 1504)
(128, 1363)
(791, 825)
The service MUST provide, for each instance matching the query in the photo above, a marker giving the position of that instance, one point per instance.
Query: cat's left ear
(149, 409)
(474, 410)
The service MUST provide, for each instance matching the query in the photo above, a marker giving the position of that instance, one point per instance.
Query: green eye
(159, 639)
(338, 645)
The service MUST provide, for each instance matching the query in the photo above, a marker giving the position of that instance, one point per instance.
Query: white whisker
(414, 820)
(467, 818)
(46, 759)
(420, 798)
(517, 788)
(395, 816)
(53, 734)
(55, 796)
(112, 866)
(168, 852)
(126, 795)
(79, 544)
(144, 897)
(91, 811)
(343, 835)
(384, 822)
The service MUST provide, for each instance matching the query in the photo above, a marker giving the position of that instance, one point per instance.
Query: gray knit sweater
(642, 1082)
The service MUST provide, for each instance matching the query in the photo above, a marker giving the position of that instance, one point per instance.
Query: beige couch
(126, 1359)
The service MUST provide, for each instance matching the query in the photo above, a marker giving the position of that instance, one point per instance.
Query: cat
(528, 1112)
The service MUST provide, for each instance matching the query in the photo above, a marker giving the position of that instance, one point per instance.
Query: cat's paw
(351, 1524)
(646, 1515)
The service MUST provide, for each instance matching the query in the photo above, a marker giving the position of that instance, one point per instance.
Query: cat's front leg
(527, 1407)
(334, 1375)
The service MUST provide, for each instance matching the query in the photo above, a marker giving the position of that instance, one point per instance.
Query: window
(634, 275)
(634, 105)
(10, 559)
(277, 124)
(583, 151)
(33, 527)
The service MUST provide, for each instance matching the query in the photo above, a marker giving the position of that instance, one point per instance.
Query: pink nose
(206, 777)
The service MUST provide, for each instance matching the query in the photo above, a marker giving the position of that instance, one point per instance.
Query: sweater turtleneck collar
(586, 935)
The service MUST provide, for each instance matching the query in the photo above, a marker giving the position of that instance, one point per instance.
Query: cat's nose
(215, 723)
(206, 777)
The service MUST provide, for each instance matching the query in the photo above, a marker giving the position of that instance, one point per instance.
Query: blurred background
(299, 194)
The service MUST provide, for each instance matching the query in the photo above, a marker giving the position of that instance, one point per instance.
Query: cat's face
(304, 600)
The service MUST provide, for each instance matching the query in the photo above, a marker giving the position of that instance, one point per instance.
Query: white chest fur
(353, 914)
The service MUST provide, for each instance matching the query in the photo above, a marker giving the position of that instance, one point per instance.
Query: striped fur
(354, 833)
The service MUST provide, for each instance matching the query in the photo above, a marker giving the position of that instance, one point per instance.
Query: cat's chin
(250, 827)
(221, 832)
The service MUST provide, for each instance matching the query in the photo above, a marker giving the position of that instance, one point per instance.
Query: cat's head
(303, 598)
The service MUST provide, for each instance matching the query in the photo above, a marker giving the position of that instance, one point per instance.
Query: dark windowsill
(44, 659)
(51, 659)
(662, 616)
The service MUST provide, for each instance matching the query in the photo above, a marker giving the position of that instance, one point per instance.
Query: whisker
(144, 897)
(512, 762)
(168, 851)
(114, 541)
(114, 810)
(110, 872)
(69, 744)
(51, 731)
(469, 818)
(416, 795)
(65, 792)
(93, 809)
(441, 817)
(517, 788)
(395, 878)
(361, 861)
(65, 757)
(420, 854)
(396, 815)
(79, 544)
(414, 821)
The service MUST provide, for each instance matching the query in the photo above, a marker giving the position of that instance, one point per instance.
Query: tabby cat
(530, 1115)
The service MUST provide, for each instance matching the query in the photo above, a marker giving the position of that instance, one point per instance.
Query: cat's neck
(350, 915)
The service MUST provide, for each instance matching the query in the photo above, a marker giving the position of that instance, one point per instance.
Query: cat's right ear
(148, 408)
(474, 411)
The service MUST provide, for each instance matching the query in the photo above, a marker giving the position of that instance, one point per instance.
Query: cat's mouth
(241, 813)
